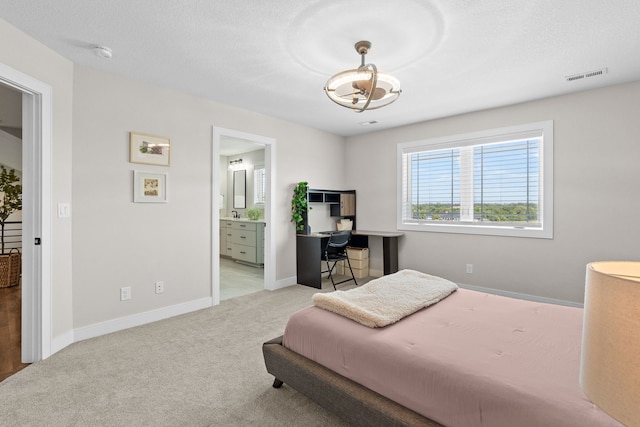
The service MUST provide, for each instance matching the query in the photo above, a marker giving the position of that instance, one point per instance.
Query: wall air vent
(586, 75)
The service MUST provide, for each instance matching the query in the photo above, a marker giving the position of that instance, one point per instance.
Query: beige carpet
(199, 369)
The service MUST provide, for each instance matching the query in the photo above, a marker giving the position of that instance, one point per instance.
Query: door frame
(36, 200)
(270, 172)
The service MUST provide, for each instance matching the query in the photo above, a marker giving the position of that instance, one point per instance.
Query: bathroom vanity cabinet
(242, 240)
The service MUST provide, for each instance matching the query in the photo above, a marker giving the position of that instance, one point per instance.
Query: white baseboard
(62, 341)
(521, 296)
(138, 319)
(284, 283)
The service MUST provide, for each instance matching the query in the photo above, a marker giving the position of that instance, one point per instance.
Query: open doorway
(242, 196)
(36, 99)
(237, 187)
(10, 232)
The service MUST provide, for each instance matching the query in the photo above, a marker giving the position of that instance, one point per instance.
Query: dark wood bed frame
(354, 403)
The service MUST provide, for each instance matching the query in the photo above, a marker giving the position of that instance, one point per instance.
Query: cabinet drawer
(225, 223)
(242, 237)
(239, 225)
(223, 241)
(243, 253)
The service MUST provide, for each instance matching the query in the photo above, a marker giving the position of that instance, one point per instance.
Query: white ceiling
(233, 146)
(273, 57)
(10, 107)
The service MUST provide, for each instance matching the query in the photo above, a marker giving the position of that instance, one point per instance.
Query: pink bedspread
(473, 359)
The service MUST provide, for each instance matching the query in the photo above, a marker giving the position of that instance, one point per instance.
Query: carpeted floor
(200, 369)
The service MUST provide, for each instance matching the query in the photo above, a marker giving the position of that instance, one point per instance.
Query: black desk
(309, 249)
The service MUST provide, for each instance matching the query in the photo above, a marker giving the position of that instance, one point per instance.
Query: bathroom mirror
(239, 189)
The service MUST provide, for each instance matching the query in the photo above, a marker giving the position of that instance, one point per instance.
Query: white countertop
(241, 219)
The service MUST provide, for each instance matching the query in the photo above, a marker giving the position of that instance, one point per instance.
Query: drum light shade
(610, 361)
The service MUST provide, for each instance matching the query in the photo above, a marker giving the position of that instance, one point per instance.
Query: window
(259, 185)
(496, 182)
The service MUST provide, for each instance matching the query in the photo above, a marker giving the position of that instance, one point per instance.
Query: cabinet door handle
(243, 252)
(243, 237)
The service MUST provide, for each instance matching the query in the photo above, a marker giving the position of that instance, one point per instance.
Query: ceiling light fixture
(363, 88)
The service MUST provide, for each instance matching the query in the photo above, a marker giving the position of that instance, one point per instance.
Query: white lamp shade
(610, 361)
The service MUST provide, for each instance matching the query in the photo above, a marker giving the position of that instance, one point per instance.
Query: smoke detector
(103, 51)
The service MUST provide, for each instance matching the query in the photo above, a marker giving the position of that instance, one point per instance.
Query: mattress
(473, 359)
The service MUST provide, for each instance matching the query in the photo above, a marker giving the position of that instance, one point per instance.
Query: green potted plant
(254, 213)
(10, 202)
(299, 207)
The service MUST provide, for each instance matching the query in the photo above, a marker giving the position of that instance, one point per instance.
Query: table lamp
(610, 360)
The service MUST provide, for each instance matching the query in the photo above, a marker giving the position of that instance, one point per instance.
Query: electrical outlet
(469, 268)
(159, 287)
(125, 293)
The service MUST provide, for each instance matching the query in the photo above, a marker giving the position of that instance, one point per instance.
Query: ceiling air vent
(586, 75)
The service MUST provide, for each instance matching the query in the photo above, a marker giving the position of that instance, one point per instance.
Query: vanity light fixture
(235, 164)
(363, 88)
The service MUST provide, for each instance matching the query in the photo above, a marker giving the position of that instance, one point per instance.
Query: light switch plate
(64, 210)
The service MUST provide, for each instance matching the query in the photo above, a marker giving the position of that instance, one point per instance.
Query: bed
(471, 359)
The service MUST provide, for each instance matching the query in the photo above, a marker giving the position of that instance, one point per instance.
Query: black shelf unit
(336, 201)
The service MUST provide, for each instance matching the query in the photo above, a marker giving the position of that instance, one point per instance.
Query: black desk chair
(336, 250)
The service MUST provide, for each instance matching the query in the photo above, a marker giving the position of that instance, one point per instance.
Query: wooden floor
(10, 324)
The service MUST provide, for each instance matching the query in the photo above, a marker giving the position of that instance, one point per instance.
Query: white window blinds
(478, 181)
(259, 185)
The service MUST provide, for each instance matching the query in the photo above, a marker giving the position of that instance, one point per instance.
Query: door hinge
(37, 241)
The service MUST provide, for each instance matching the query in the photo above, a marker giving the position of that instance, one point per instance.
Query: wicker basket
(5, 269)
(10, 268)
(15, 261)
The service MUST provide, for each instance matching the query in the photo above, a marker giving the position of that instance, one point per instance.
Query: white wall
(118, 243)
(11, 110)
(595, 190)
(28, 56)
(11, 150)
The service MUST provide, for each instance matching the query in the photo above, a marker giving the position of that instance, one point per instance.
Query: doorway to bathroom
(243, 257)
(242, 195)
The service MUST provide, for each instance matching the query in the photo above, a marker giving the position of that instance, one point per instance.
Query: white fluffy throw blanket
(387, 299)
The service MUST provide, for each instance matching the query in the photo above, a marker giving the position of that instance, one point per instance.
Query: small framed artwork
(149, 187)
(149, 149)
